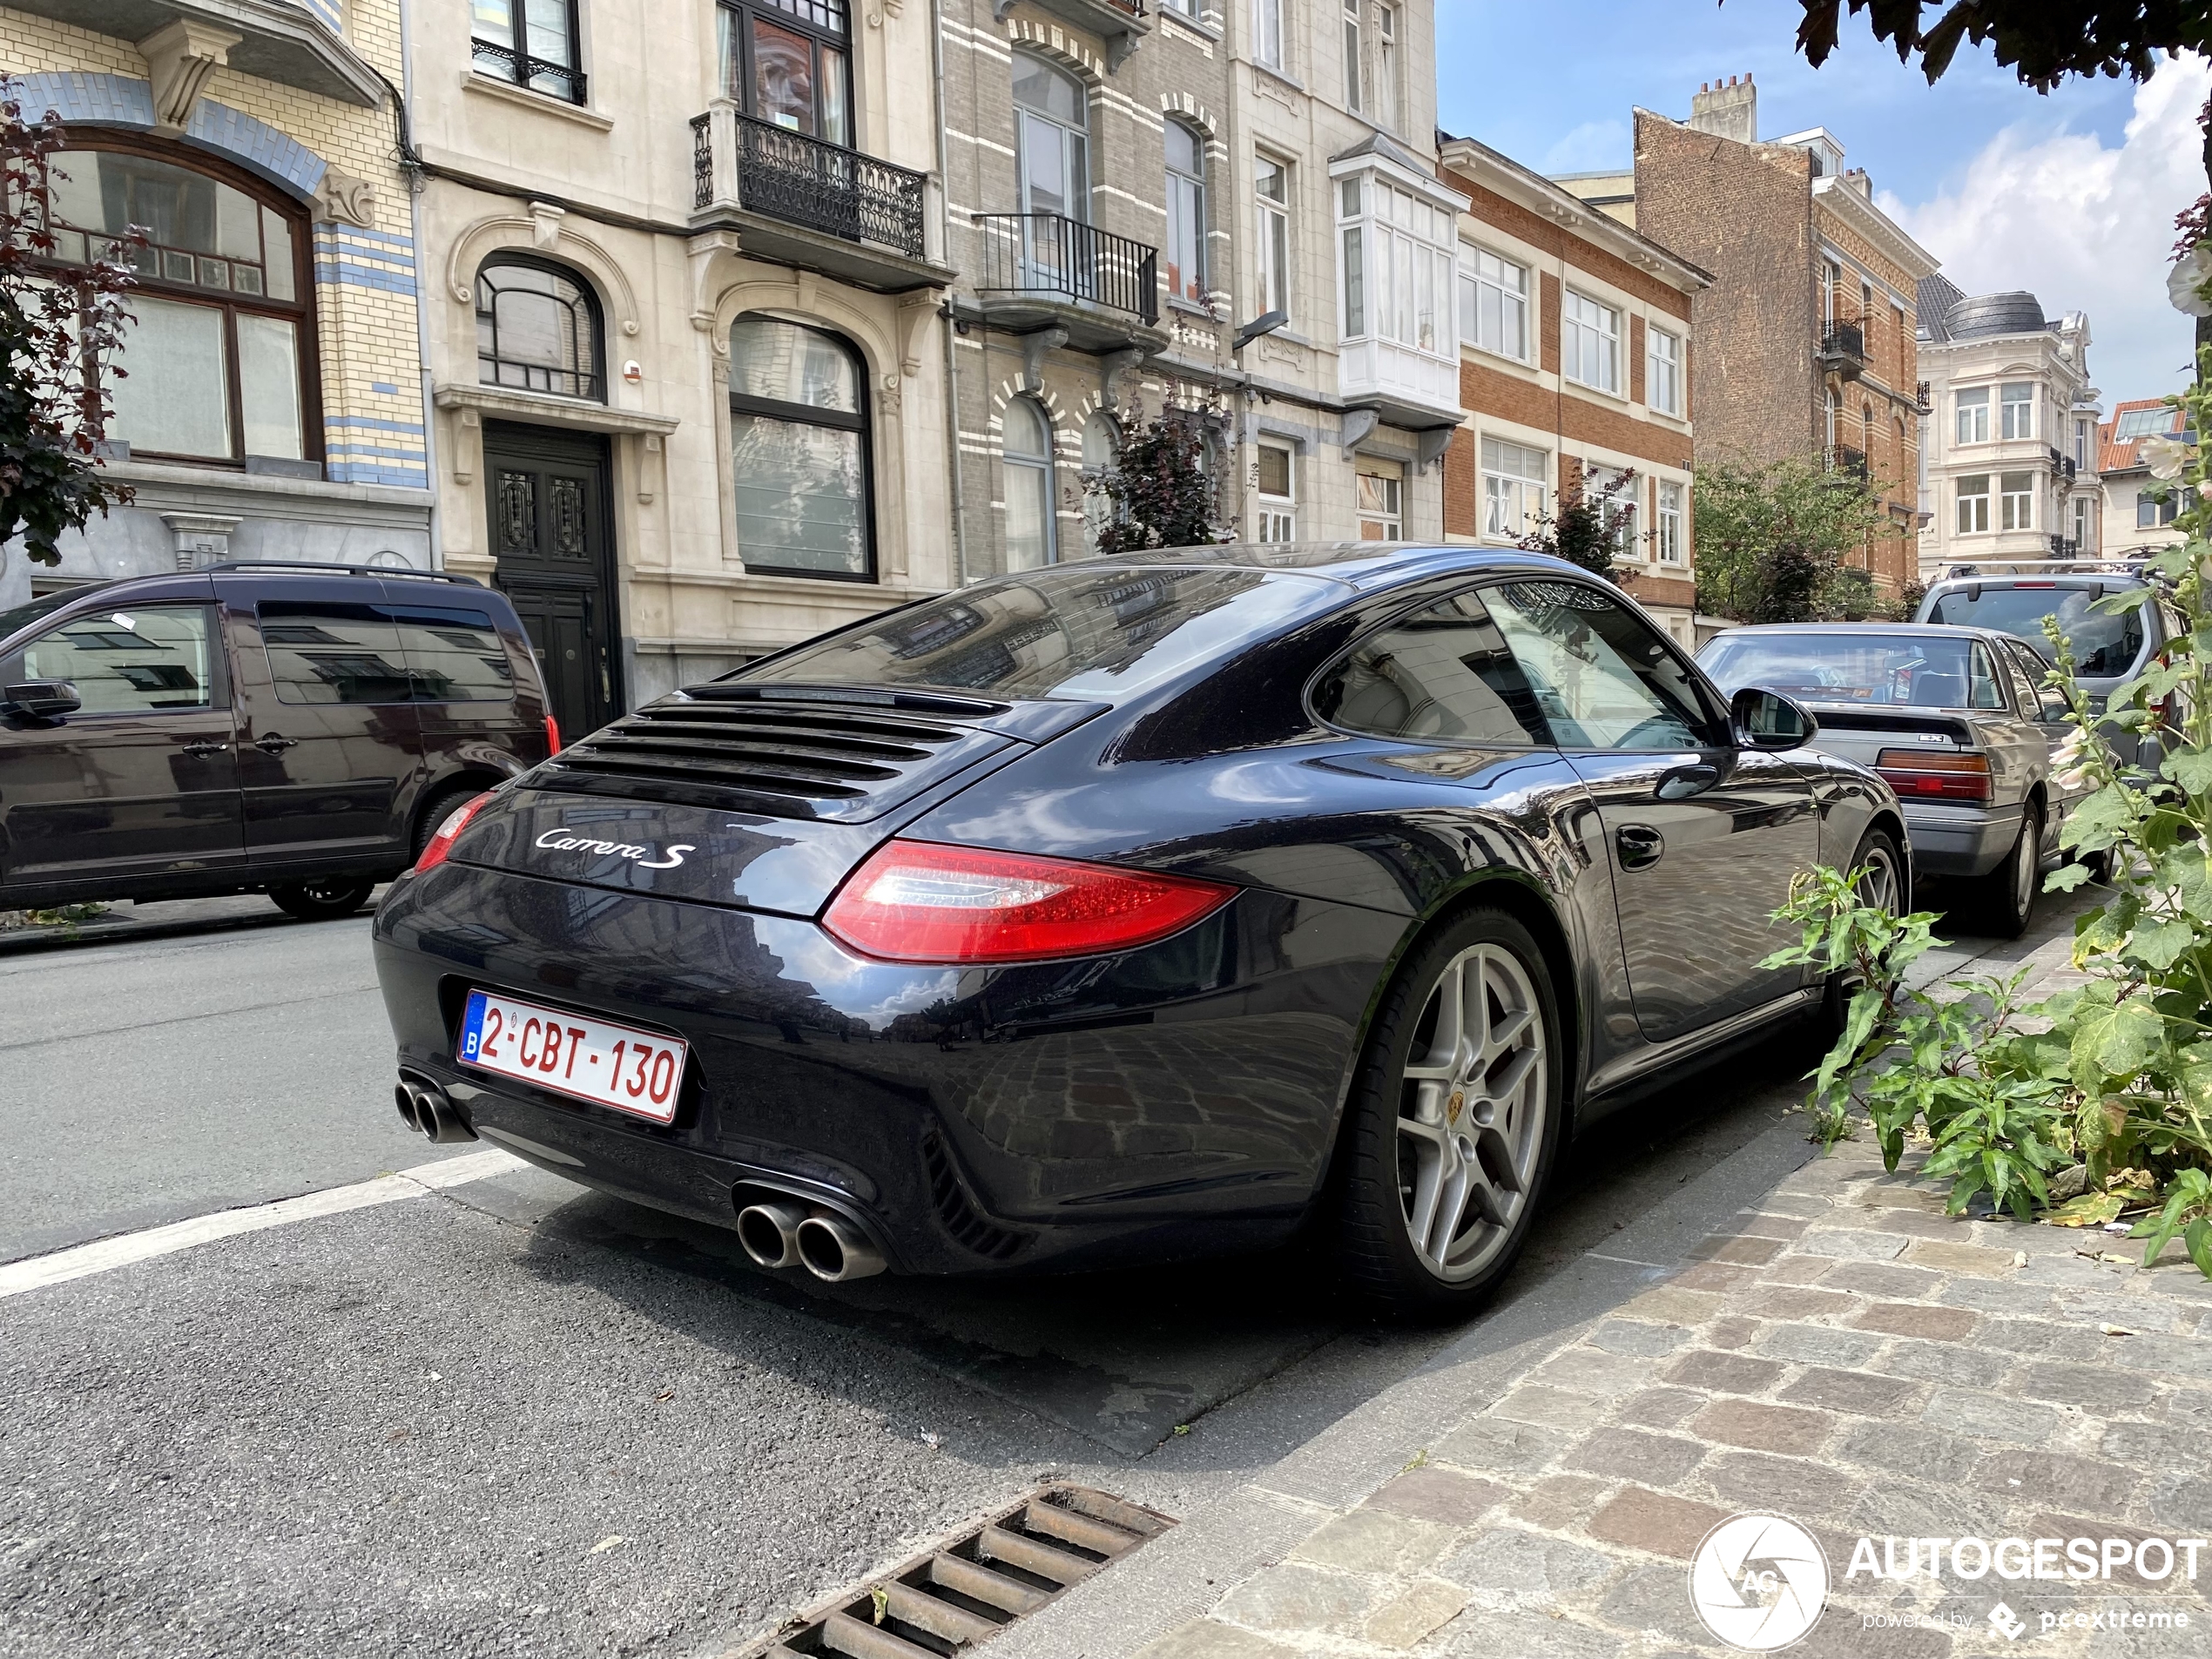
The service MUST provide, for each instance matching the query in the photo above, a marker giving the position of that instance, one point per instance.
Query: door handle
(205, 747)
(275, 745)
(1685, 781)
(1639, 846)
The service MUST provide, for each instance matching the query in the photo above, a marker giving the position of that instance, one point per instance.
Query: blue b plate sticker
(472, 1026)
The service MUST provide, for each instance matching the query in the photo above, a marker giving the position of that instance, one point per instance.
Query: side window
(2040, 701)
(333, 653)
(1985, 693)
(149, 660)
(1603, 678)
(1441, 675)
(453, 656)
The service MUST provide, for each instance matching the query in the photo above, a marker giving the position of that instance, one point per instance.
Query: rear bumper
(1181, 1097)
(1961, 842)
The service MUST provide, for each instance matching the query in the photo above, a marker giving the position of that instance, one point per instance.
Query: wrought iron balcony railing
(771, 170)
(519, 69)
(1841, 458)
(1052, 256)
(1843, 348)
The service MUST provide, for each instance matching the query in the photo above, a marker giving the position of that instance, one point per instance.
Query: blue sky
(2070, 195)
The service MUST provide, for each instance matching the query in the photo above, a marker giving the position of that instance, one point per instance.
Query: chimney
(1729, 111)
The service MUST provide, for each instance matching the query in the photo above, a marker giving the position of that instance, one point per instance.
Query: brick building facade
(1575, 368)
(1804, 342)
(275, 408)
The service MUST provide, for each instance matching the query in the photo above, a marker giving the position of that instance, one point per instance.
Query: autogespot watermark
(1760, 1582)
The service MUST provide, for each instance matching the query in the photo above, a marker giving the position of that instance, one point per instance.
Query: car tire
(440, 808)
(325, 900)
(1458, 1156)
(1880, 856)
(2004, 900)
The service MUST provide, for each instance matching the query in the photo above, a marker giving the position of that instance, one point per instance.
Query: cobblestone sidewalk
(1842, 1354)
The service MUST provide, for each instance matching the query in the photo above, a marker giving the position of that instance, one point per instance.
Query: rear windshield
(2104, 645)
(1078, 632)
(1892, 669)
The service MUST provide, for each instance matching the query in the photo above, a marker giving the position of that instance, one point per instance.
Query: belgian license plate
(595, 1060)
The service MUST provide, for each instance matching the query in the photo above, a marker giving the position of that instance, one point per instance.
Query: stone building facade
(686, 366)
(274, 404)
(2009, 447)
(1576, 360)
(1804, 343)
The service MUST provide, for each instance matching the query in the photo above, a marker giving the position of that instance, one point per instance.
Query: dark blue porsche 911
(1131, 908)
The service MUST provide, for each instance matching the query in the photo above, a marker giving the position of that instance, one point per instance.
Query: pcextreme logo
(1758, 1581)
(560, 841)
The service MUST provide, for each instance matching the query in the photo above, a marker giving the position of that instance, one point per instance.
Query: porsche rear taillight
(442, 840)
(1916, 776)
(921, 901)
(552, 737)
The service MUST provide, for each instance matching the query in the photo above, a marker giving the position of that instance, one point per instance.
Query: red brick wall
(1577, 420)
(1462, 486)
(1635, 359)
(1538, 231)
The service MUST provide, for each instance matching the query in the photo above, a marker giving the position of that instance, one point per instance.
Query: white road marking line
(98, 1258)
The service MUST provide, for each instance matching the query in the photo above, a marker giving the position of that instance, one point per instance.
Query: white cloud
(1590, 147)
(2083, 227)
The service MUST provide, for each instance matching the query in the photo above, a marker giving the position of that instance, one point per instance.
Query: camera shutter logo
(1758, 1581)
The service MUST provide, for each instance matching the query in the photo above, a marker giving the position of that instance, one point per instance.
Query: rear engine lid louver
(797, 752)
(951, 1598)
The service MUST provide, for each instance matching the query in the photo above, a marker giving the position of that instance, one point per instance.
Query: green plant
(1158, 491)
(1771, 540)
(1586, 528)
(2109, 1082)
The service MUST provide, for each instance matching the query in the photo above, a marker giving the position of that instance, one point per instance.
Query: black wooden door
(548, 515)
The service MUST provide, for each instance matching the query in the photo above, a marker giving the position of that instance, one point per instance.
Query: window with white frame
(2017, 491)
(1377, 495)
(1493, 303)
(2081, 444)
(1272, 266)
(1608, 489)
(1831, 287)
(2081, 524)
(1353, 56)
(1589, 342)
(1186, 192)
(1386, 66)
(1267, 33)
(2019, 406)
(1973, 503)
(1278, 482)
(1669, 540)
(2154, 508)
(1514, 481)
(1973, 415)
(1397, 265)
(1662, 373)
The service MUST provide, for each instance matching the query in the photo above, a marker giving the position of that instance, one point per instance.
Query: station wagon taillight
(1916, 776)
(448, 832)
(921, 901)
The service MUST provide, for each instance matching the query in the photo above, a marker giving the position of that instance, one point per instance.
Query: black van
(295, 729)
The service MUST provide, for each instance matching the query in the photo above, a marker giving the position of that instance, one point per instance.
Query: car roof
(1363, 564)
(1939, 629)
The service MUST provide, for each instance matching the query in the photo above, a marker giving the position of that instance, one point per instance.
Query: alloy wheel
(1471, 1107)
(1878, 885)
(2030, 862)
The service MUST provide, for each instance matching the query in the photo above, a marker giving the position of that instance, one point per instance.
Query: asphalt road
(514, 1417)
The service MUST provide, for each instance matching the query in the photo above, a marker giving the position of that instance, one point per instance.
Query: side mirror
(1769, 720)
(44, 700)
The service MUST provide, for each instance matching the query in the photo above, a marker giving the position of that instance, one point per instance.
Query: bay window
(2018, 403)
(1973, 415)
(217, 363)
(2017, 490)
(1398, 273)
(1973, 503)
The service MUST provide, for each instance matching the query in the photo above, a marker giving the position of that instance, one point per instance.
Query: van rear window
(2105, 646)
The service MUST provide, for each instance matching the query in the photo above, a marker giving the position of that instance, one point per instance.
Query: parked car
(2109, 648)
(1957, 720)
(295, 729)
(1130, 907)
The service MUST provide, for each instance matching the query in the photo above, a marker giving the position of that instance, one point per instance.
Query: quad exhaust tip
(770, 1232)
(424, 1109)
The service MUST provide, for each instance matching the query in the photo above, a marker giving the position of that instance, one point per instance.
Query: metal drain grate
(950, 1597)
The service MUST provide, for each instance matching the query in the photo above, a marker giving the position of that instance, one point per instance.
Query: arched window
(1027, 450)
(1102, 442)
(219, 363)
(798, 451)
(1186, 199)
(1052, 113)
(537, 329)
